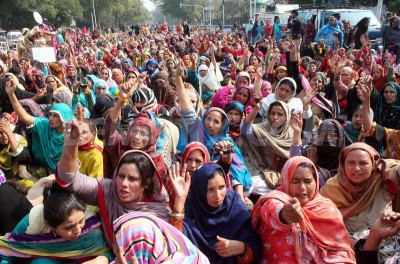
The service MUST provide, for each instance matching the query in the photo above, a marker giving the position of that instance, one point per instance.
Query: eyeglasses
(141, 133)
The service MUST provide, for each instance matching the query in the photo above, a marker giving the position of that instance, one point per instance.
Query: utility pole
(250, 7)
(209, 9)
(94, 14)
(92, 20)
(223, 14)
(379, 9)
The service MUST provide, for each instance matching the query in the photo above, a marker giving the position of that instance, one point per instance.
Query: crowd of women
(198, 147)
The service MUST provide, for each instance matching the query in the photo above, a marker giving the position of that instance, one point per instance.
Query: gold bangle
(177, 215)
(124, 100)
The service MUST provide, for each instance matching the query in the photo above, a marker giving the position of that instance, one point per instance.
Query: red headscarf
(192, 147)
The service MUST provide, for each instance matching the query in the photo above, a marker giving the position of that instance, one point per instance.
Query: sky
(149, 5)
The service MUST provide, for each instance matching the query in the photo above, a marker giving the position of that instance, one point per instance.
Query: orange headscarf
(351, 200)
(382, 80)
(321, 226)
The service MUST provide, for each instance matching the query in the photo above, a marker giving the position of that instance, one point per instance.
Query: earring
(54, 233)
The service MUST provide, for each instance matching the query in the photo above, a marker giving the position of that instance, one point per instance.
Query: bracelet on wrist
(245, 252)
(177, 215)
(124, 100)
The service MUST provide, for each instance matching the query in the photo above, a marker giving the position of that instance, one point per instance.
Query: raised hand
(4, 126)
(258, 98)
(310, 94)
(11, 85)
(342, 61)
(285, 46)
(292, 47)
(180, 69)
(126, 89)
(296, 121)
(312, 154)
(227, 248)
(72, 133)
(180, 180)
(364, 89)
(142, 77)
(291, 211)
(260, 72)
(79, 112)
(211, 47)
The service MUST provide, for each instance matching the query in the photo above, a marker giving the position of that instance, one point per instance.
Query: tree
(17, 14)
(191, 13)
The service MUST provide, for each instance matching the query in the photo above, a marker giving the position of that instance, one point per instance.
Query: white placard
(44, 54)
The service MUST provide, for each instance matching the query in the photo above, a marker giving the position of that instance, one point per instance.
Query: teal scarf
(351, 131)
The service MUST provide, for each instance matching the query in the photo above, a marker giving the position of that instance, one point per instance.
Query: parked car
(321, 17)
(12, 38)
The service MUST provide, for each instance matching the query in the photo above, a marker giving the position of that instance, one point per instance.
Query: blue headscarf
(100, 83)
(327, 33)
(256, 31)
(129, 61)
(93, 78)
(64, 111)
(234, 105)
(60, 38)
(47, 142)
(226, 64)
(146, 68)
(238, 169)
(278, 30)
(231, 220)
(99, 55)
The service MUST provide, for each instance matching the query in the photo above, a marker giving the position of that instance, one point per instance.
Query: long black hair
(59, 203)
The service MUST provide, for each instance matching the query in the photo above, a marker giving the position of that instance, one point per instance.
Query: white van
(12, 38)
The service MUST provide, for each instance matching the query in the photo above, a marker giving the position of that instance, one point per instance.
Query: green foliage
(17, 14)
(193, 14)
(393, 6)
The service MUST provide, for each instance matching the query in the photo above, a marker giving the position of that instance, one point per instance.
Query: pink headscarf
(265, 83)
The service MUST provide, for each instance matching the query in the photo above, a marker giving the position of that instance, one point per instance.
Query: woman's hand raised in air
(72, 133)
(180, 180)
